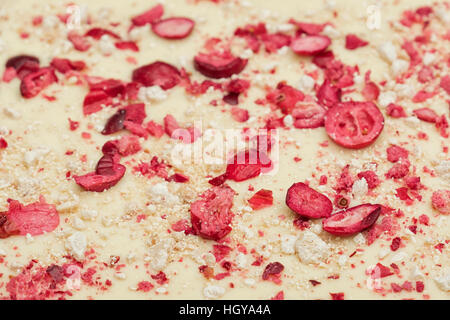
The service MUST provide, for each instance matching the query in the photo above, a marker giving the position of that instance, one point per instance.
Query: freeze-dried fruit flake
(262, 199)
(352, 220)
(441, 201)
(173, 28)
(307, 202)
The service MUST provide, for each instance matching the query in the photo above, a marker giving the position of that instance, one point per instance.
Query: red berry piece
(108, 173)
(307, 202)
(426, 114)
(94, 101)
(441, 201)
(262, 199)
(211, 214)
(115, 123)
(150, 16)
(239, 114)
(79, 42)
(328, 95)
(66, 65)
(395, 153)
(97, 33)
(353, 220)
(157, 74)
(218, 65)
(310, 45)
(353, 42)
(17, 61)
(173, 28)
(285, 97)
(247, 164)
(308, 116)
(354, 125)
(33, 219)
(35, 82)
(395, 111)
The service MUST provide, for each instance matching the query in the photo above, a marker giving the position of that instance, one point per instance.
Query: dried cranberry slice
(97, 33)
(426, 114)
(107, 175)
(307, 202)
(308, 116)
(353, 220)
(328, 95)
(17, 61)
(173, 28)
(115, 123)
(310, 45)
(149, 16)
(211, 214)
(354, 125)
(218, 65)
(157, 74)
(35, 82)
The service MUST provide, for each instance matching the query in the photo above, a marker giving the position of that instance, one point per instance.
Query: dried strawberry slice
(149, 16)
(353, 220)
(354, 125)
(262, 199)
(247, 164)
(35, 82)
(218, 65)
(173, 28)
(157, 74)
(441, 201)
(111, 87)
(308, 116)
(395, 153)
(66, 65)
(328, 95)
(97, 33)
(17, 61)
(426, 114)
(108, 173)
(310, 45)
(34, 219)
(307, 202)
(211, 214)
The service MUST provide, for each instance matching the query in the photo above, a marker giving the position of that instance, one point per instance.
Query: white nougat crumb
(213, 292)
(77, 243)
(288, 244)
(311, 249)
(360, 187)
(388, 51)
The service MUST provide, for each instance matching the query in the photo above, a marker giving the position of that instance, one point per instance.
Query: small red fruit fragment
(173, 28)
(66, 65)
(219, 180)
(178, 177)
(127, 45)
(328, 94)
(37, 81)
(353, 220)
(125, 146)
(398, 170)
(353, 42)
(94, 101)
(157, 74)
(155, 129)
(285, 97)
(395, 153)
(395, 111)
(354, 125)
(371, 91)
(35, 219)
(337, 296)
(310, 45)
(17, 61)
(79, 42)
(239, 114)
(3, 143)
(272, 269)
(308, 116)
(380, 271)
(341, 201)
(211, 214)
(97, 33)
(247, 164)
(441, 201)
(396, 243)
(307, 202)
(262, 199)
(115, 122)
(426, 114)
(371, 178)
(149, 16)
(108, 173)
(218, 65)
